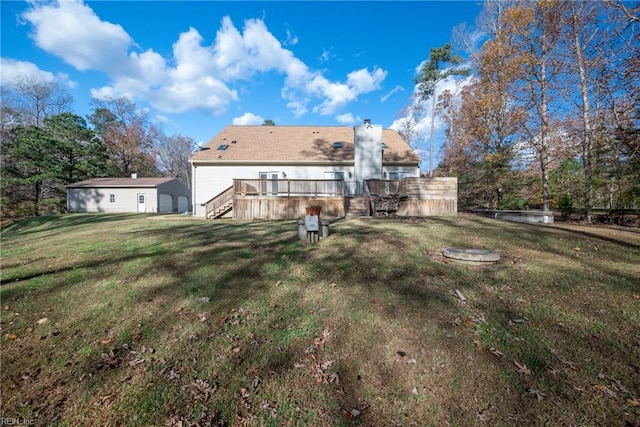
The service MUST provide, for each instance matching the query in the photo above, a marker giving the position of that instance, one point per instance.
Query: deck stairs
(220, 211)
(220, 205)
(357, 207)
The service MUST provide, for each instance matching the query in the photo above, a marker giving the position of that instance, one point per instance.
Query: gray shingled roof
(295, 144)
(120, 182)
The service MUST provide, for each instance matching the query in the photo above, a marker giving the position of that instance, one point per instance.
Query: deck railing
(289, 187)
(386, 187)
(218, 201)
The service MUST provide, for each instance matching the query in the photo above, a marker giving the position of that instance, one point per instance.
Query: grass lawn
(160, 320)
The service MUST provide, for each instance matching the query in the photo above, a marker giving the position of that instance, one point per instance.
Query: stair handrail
(367, 196)
(219, 200)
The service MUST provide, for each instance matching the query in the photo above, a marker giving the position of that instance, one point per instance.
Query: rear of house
(127, 195)
(279, 154)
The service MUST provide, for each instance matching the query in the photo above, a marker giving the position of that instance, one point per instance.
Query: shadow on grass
(234, 265)
(62, 222)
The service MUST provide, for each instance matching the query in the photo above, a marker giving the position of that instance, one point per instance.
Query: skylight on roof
(337, 144)
(222, 147)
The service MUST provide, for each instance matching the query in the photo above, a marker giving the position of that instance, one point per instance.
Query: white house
(143, 195)
(363, 152)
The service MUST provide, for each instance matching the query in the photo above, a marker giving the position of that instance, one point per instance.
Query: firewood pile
(385, 204)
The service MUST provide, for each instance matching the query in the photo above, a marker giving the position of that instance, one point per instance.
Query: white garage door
(166, 203)
(183, 204)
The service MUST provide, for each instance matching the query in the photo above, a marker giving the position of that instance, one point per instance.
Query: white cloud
(422, 126)
(72, 31)
(12, 70)
(398, 88)
(161, 118)
(248, 119)
(198, 76)
(326, 55)
(291, 40)
(336, 95)
(347, 119)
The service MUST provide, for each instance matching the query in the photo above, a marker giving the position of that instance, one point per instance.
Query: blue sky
(201, 65)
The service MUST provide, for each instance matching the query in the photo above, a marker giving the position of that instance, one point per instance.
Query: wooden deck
(288, 198)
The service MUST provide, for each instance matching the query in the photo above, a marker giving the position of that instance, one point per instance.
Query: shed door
(183, 204)
(141, 202)
(166, 203)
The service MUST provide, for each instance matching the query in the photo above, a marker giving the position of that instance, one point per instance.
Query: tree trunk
(586, 137)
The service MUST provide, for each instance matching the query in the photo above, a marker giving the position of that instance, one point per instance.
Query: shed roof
(295, 144)
(120, 182)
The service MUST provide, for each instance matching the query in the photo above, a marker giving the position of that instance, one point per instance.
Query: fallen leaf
(326, 364)
(606, 390)
(535, 393)
(334, 379)
(553, 371)
(236, 349)
(204, 299)
(636, 296)
(522, 368)
(173, 375)
(621, 387)
(12, 337)
(136, 362)
(356, 412)
(42, 321)
(496, 352)
(256, 381)
(634, 402)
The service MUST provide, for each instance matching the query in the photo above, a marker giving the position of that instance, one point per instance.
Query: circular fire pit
(472, 256)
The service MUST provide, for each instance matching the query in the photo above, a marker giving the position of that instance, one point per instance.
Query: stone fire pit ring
(472, 256)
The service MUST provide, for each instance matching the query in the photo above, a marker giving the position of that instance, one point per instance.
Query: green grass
(154, 320)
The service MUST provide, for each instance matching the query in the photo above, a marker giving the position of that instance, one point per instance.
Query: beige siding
(211, 180)
(98, 199)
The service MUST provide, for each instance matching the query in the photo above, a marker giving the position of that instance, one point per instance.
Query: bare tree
(31, 100)
(409, 118)
(172, 155)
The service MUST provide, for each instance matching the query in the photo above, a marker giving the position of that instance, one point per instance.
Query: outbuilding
(122, 195)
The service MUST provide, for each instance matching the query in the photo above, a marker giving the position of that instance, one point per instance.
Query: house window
(266, 187)
(398, 175)
(334, 175)
(112, 198)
